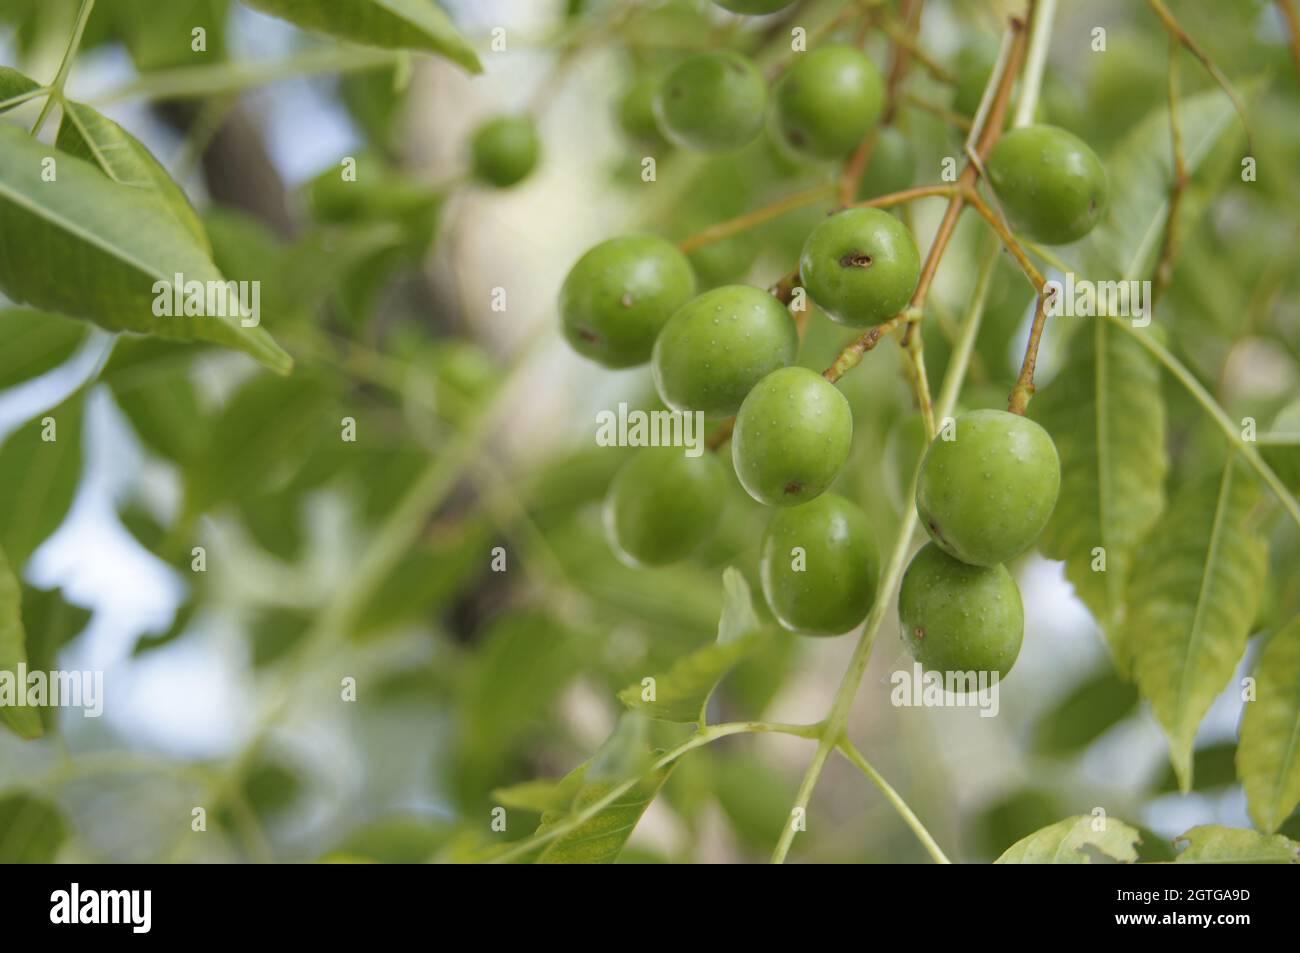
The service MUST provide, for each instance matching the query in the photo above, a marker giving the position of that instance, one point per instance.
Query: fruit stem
(909, 817)
(852, 355)
(742, 223)
(1040, 40)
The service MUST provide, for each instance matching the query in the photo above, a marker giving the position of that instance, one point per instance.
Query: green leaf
(541, 795)
(40, 467)
(602, 837)
(13, 652)
(682, 693)
(395, 24)
(1268, 757)
(151, 383)
(31, 829)
(88, 134)
(1211, 844)
(89, 247)
(159, 35)
(51, 623)
(1105, 412)
(1193, 595)
(1074, 841)
(33, 342)
(1082, 716)
(14, 84)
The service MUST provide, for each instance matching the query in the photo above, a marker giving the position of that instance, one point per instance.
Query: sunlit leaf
(1077, 840)
(1268, 758)
(1211, 844)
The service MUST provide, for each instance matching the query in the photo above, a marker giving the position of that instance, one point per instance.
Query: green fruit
(819, 566)
(960, 618)
(620, 294)
(753, 7)
(892, 166)
(713, 102)
(974, 65)
(985, 495)
(714, 350)
(636, 110)
(792, 437)
(828, 100)
(662, 505)
(504, 150)
(860, 266)
(1050, 182)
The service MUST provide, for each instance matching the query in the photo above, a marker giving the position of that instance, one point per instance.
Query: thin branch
(909, 817)
(1169, 248)
(950, 116)
(1035, 62)
(65, 65)
(1287, 8)
(742, 223)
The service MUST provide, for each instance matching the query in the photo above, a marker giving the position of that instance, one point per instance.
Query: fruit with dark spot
(505, 150)
(712, 102)
(828, 100)
(1050, 182)
(792, 437)
(618, 296)
(663, 505)
(860, 266)
(960, 618)
(714, 350)
(819, 566)
(986, 494)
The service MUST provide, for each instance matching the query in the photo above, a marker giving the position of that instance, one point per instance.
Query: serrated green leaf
(89, 247)
(40, 467)
(13, 652)
(394, 24)
(1105, 412)
(33, 342)
(1193, 594)
(1268, 757)
(1075, 841)
(1211, 844)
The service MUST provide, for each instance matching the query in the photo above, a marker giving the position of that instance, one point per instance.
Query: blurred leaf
(394, 840)
(40, 478)
(1074, 841)
(1082, 716)
(1268, 758)
(540, 795)
(754, 795)
(24, 720)
(13, 84)
(275, 631)
(31, 829)
(1193, 596)
(51, 623)
(1105, 412)
(159, 35)
(88, 134)
(1211, 844)
(152, 384)
(33, 342)
(94, 249)
(275, 521)
(1213, 767)
(401, 24)
(1012, 817)
(156, 640)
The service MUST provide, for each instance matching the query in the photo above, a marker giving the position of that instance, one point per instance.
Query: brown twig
(741, 223)
(1169, 247)
(950, 116)
(852, 355)
(1288, 11)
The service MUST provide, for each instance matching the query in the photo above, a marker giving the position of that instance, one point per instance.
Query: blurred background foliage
(470, 680)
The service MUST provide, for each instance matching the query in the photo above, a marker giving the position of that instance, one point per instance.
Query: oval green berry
(792, 436)
(860, 266)
(714, 350)
(663, 505)
(618, 296)
(505, 150)
(819, 566)
(960, 618)
(636, 110)
(1051, 184)
(713, 102)
(828, 100)
(985, 495)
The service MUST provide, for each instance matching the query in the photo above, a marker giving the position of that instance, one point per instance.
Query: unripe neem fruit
(985, 495)
(753, 7)
(819, 566)
(663, 505)
(505, 150)
(792, 436)
(636, 110)
(828, 100)
(619, 295)
(960, 618)
(891, 168)
(860, 266)
(1050, 182)
(714, 350)
(713, 102)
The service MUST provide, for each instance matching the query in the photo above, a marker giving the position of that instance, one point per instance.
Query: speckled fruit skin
(662, 505)
(714, 350)
(860, 266)
(828, 100)
(1050, 182)
(837, 585)
(505, 150)
(792, 436)
(712, 102)
(891, 168)
(986, 495)
(753, 7)
(618, 296)
(960, 618)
